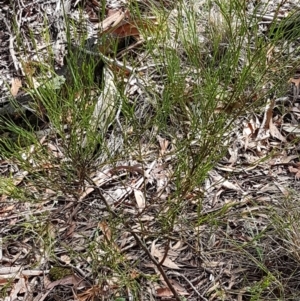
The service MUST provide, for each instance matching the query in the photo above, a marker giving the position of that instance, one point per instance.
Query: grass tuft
(206, 68)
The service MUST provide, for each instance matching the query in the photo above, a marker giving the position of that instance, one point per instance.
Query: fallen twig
(138, 240)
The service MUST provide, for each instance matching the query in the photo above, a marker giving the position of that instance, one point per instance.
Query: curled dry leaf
(296, 87)
(163, 143)
(161, 256)
(120, 24)
(105, 230)
(66, 259)
(16, 84)
(112, 21)
(295, 170)
(140, 199)
(275, 133)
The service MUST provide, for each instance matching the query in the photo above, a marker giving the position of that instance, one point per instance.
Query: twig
(109, 60)
(11, 44)
(23, 214)
(190, 283)
(118, 114)
(166, 252)
(137, 238)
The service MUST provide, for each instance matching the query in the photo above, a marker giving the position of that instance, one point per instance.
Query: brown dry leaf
(179, 245)
(112, 21)
(70, 231)
(140, 199)
(10, 272)
(111, 12)
(275, 133)
(4, 281)
(233, 154)
(19, 287)
(65, 258)
(263, 132)
(16, 84)
(7, 209)
(121, 25)
(54, 150)
(127, 30)
(99, 179)
(296, 87)
(120, 72)
(286, 159)
(134, 274)
(295, 170)
(219, 181)
(32, 273)
(29, 67)
(283, 190)
(167, 261)
(18, 178)
(163, 143)
(178, 287)
(107, 235)
(293, 129)
(249, 130)
(105, 230)
(91, 293)
(72, 279)
(131, 29)
(268, 114)
(164, 292)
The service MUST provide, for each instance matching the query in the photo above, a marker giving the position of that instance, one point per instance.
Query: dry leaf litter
(201, 260)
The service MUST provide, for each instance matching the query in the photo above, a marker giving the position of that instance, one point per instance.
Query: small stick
(138, 240)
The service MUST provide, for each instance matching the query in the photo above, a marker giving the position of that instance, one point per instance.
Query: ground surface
(241, 243)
